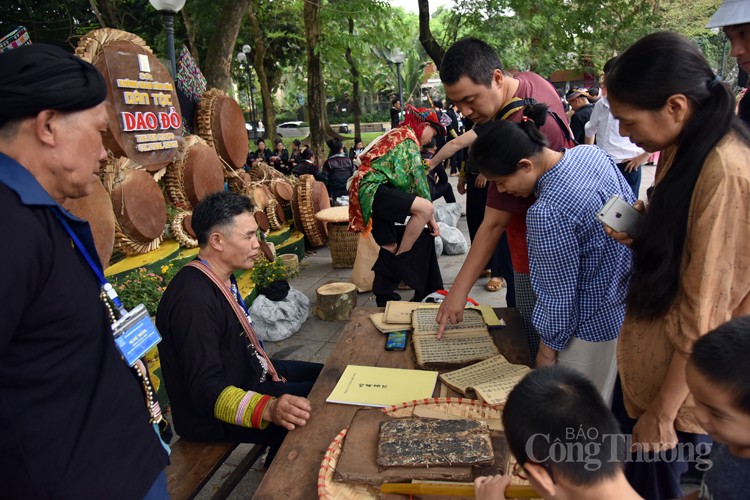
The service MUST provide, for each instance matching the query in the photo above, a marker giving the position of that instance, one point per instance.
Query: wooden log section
(336, 301)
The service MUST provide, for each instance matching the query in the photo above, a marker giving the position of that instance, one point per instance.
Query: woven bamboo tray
(328, 488)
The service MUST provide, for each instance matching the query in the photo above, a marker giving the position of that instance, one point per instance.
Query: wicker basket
(343, 245)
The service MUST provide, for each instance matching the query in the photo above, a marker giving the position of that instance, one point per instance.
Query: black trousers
(300, 376)
(418, 268)
(500, 263)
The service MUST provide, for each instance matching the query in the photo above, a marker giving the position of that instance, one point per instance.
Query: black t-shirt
(73, 421)
(579, 121)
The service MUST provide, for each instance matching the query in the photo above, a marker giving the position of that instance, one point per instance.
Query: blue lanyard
(238, 296)
(109, 290)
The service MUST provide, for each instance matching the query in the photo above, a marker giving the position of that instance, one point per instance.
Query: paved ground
(317, 338)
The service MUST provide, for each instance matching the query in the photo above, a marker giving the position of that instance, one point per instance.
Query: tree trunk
(219, 53)
(316, 104)
(431, 46)
(98, 14)
(259, 53)
(190, 28)
(355, 84)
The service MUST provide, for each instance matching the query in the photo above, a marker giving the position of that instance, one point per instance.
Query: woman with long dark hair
(578, 274)
(691, 253)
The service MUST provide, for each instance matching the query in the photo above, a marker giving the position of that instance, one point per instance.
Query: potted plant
(270, 278)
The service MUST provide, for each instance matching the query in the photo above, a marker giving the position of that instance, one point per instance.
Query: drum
(196, 173)
(183, 230)
(96, 208)
(310, 197)
(139, 206)
(219, 121)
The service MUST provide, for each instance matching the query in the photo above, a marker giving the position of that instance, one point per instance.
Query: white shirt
(607, 130)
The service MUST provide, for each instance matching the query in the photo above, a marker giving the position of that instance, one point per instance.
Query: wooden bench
(372, 127)
(193, 464)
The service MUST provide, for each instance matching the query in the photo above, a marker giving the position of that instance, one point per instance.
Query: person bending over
(578, 274)
(220, 381)
(390, 184)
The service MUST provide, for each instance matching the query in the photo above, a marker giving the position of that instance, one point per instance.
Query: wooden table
(294, 471)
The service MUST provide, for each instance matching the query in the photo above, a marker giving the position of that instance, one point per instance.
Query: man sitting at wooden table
(221, 383)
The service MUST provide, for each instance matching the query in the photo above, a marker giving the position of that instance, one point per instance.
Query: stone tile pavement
(317, 338)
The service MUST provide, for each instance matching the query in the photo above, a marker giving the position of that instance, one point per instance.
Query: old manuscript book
(462, 343)
(490, 380)
(399, 311)
(425, 442)
(380, 324)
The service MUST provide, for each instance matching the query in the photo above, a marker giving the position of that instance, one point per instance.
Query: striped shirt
(579, 274)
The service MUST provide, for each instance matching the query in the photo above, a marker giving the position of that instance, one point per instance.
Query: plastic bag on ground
(279, 320)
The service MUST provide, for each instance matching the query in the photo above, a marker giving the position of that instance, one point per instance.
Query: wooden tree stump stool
(336, 301)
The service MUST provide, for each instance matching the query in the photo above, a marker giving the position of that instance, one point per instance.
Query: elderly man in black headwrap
(73, 423)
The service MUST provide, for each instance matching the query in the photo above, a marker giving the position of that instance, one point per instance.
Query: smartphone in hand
(396, 341)
(619, 215)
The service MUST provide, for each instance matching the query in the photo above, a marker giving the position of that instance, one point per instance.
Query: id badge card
(135, 334)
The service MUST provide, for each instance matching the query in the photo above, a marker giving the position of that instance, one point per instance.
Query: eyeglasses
(521, 473)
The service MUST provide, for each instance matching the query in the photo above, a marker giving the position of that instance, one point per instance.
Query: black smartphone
(396, 341)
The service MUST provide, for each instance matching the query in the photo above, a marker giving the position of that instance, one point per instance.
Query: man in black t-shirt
(579, 101)
(395, 113)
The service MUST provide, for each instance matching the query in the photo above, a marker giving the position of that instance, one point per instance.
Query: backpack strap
(516, 104)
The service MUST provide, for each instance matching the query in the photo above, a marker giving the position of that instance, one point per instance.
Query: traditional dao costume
(390, 174)
(73, 423)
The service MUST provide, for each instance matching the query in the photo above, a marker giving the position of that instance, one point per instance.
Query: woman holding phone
(579, 276)
(691, 251)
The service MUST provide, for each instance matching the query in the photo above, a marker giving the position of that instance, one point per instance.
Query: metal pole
(400, 96)
(169, 29)
(252, 102)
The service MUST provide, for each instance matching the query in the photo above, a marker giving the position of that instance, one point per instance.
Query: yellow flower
(164, 269)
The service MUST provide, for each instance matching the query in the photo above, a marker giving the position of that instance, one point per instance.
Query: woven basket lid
(333, 214)
(96, 208)
(219, 122)
(139, 205)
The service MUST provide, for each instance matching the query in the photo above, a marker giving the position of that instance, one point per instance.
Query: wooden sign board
(144, 113)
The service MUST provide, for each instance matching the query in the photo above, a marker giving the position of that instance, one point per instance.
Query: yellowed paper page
(423, 321)
(492, 379)
(454, 349)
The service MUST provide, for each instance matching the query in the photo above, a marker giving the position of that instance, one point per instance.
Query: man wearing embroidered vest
(473, 78)
(221, 383)
(73, 419)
